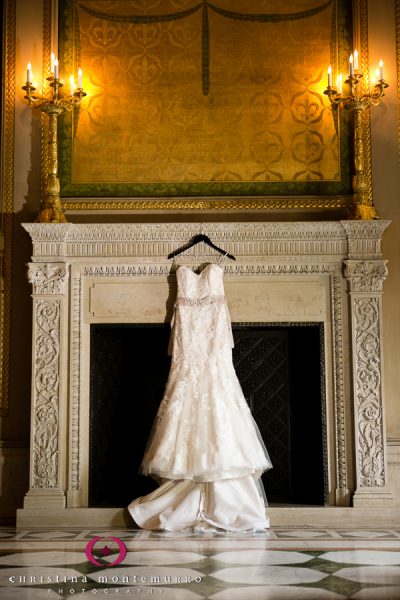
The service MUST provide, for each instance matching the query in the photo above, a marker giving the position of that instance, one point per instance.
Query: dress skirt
(205, 448)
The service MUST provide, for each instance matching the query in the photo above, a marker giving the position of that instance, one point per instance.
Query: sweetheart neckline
(202, 271)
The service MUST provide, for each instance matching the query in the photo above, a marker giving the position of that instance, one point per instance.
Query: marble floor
(281, 563)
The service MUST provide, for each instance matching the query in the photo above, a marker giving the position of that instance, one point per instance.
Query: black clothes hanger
(196, 240)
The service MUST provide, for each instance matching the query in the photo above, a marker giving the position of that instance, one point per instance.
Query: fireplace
(328, 275)
(280, 368)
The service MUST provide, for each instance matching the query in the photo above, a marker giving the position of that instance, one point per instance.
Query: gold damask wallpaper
(189, 97)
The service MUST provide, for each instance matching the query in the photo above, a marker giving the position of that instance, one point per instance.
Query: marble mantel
(327, 272)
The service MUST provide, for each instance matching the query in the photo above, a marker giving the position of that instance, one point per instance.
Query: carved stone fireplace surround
(329, 272)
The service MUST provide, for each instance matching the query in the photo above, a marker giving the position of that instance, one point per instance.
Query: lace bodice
(201, 326)
(208, 283)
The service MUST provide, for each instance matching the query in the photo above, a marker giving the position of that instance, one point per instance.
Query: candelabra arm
(53, 103)
(51, 210)
(357, 102)
(364, 206)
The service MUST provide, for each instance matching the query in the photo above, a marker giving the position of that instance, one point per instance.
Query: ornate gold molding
(7, 197)
(212, 203)
(48, 14)
(360, 39)
(397, 13)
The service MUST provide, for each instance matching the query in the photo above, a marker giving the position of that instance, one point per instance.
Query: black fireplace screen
(280, 369)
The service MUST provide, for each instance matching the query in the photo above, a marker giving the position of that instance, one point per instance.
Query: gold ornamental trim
(214, 203)
(397, 17)
(7, 198)
(48, 11)
(365, 212)
(360, 20)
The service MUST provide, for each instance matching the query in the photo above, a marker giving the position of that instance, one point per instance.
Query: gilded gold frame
(7, 196)
(232, 203)
(397, 16)
(360, 38)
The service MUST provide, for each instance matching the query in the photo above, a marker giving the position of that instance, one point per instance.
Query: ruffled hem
(207, 476)
(253, 456)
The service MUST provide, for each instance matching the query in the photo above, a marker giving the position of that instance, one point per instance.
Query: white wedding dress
(205, 449)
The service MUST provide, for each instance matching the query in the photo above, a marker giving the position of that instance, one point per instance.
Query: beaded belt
(200, 301)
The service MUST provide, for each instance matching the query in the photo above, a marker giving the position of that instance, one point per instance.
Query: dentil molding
(346, 238)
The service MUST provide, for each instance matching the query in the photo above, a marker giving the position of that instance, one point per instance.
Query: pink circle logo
(106, 550)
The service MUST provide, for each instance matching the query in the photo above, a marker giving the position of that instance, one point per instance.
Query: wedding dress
(205, 449)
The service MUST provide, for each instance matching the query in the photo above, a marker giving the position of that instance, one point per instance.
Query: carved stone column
(49, 385)
(365, 272)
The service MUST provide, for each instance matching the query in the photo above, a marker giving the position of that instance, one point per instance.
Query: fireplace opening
(280, 368)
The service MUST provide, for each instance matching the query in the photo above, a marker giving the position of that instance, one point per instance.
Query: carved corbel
(47, 278)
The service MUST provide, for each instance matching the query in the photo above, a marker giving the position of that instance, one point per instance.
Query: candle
(351, 65)
(52, 63)
(381, 70)
(55, 68)
(80, 78)
(339, 84)
(72, 85)
(29, 73)
(329, 76)
(356, 60)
